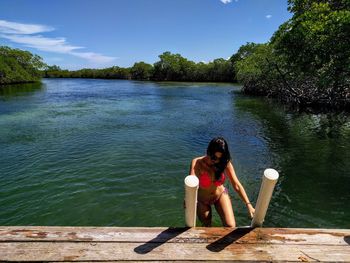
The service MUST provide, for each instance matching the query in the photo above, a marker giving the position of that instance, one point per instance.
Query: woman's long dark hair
(219, 144)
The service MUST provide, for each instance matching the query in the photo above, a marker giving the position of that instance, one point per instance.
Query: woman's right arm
(193, 163)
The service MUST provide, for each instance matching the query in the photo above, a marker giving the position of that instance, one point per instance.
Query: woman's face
(215, 158)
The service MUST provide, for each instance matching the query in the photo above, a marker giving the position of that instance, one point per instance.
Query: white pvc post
(268, 184)
(191, 191)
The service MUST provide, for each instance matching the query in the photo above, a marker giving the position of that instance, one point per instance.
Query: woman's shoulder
(197, 159)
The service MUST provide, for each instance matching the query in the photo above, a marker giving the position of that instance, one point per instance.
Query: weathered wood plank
(114, 251)
(178, 235)
(173, 244)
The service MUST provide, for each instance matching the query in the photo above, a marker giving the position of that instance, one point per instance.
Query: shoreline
(312, 108)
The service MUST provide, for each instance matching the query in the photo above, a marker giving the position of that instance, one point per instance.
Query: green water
(115, 153)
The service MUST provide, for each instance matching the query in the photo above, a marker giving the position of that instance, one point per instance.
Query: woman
(212, 170)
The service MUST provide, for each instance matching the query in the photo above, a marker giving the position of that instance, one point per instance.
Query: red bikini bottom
(213, 202)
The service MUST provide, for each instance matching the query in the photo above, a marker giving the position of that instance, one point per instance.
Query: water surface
(115, 153)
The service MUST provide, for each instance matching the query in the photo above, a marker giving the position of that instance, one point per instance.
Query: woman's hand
(251, 210)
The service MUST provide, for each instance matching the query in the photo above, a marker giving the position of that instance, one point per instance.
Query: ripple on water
(96, 152)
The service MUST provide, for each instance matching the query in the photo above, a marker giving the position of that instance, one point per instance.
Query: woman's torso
(209, 188)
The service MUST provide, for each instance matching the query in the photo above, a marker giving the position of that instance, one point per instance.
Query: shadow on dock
(227, 240)
(347, 239)
(162, 238)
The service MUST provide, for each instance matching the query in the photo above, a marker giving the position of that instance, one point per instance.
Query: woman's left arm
(238, 187)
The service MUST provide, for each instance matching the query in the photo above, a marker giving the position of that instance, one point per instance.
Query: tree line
(170, 67)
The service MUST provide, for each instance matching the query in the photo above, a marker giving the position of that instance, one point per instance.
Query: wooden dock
(109, 244)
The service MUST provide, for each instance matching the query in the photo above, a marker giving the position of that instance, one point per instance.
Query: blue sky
(78, 34)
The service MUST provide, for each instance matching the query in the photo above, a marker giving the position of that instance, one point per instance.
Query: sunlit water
(115, 153)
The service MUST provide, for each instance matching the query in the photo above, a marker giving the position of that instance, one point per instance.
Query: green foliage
(141, 71)
(221, 70)
(244, 52)
(299, 7)
(309, 58)
(107, 73)
(177, 68)
(17, 66)
(170, 67)
(315, 39)
(258, 70)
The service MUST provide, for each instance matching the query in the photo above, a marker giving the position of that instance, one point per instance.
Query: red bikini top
(205, 180)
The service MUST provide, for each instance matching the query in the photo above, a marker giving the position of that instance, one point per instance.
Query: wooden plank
(155, 261)
(114, 251)
(173, 244)
(178, 235)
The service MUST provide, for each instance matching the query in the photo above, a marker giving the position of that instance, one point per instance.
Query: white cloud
(57, 45)
(94, 57)
(268, 16)
(24, 29)
(227, 1)
(26, 34)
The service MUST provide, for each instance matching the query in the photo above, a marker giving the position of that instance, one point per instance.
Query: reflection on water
(110, 152)
(311, 152)
(8, 91)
